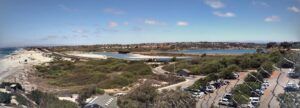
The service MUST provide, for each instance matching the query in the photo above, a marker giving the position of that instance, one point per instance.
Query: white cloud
(182, 23)
(112, 24)
(226, 14)
(260, 3)
(153, 22)
(216, 4)
(113, 11)
(294, 9)
(272, 18)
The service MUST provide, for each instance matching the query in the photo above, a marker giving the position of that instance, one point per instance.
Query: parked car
(259, 91)
(254, 101)
(198, 94)
(236, 75)
(224, 101)
(227, 102)
(249, 105)
(210, 88)
(217, 85)
(228, 96)
(291, 87)
(266, 83)
(263, 87)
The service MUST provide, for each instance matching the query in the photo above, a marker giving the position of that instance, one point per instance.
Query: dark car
(92, 106)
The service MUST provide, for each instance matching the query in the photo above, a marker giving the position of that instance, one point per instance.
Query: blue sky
(73, 22)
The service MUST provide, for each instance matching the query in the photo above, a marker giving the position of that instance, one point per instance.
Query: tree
(271, 45)
(173, 59)
(254, 77)
(211, 67)
(290, 100)
(266, 69)
(286, 45)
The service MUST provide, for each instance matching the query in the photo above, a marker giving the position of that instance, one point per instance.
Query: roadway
(188, 80)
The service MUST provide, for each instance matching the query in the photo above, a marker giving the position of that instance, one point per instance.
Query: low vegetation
(207, 65)
(45, 100)
(110, 73)
(147, 96)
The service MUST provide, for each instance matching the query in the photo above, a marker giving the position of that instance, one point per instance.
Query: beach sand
(17, 66)
(87, 55)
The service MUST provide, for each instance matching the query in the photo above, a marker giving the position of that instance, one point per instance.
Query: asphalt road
(188, 80)
(159, 71)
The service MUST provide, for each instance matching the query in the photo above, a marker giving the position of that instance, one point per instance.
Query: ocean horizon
(7, 51)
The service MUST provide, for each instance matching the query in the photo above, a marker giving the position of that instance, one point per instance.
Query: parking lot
(213, 98)
(277, 83)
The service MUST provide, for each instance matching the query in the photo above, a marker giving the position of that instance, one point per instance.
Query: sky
(86, 22)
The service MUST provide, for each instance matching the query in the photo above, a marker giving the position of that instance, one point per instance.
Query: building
(184, 73)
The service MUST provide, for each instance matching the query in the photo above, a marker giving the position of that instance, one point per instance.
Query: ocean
(6, 51)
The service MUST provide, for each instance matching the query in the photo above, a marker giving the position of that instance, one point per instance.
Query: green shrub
(5, 98)
(100, 91)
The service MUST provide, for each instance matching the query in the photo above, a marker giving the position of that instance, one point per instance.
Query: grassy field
(110, 73)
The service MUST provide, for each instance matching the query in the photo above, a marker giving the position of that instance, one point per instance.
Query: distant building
(184, 73)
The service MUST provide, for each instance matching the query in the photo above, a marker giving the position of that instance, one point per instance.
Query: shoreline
(87, 55)
(17, 66)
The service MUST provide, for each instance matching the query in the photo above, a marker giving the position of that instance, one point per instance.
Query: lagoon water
(115, 55)
(217, 51)
(130, 56)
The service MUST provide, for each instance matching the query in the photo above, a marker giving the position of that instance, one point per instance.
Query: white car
(249, 105)
(266, 83)
(224, 101)
(254, 100)
(263, 87)
(210, 88)
(236, 75)
(292, 87)
(198, 94)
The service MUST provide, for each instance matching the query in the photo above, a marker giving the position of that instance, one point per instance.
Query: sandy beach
(16, 66)
(87, 55)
